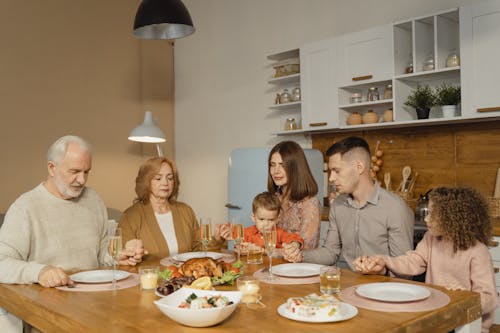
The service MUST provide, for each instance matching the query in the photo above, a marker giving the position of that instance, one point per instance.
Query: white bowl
(169, 305)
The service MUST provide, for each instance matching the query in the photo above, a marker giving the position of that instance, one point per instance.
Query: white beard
(65, 190)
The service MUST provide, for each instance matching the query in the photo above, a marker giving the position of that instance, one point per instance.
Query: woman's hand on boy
(291, 252)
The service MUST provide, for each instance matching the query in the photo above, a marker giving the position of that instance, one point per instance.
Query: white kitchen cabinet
(417, 41)
(290, 110)
(365, 56)
(480, 58)
(319, 89)
(495, 257)
(346, 107)
(365, 59)
(398, 53)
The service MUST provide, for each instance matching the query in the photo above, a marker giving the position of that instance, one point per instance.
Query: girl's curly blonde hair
(463, 216)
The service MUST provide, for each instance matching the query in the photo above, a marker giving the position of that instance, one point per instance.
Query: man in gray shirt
(364, 219)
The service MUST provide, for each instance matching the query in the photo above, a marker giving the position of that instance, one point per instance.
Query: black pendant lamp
(162, 19)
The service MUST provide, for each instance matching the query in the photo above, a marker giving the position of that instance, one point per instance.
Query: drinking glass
(237, 232)
(205, 232)
(329, 280)
(270, 241)
(115, 247)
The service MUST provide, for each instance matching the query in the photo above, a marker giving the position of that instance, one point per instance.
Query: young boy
(265, 211)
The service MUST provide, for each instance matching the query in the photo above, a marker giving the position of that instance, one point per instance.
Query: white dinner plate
(345, 311)
(201, 254)
(393, 292)
(98, 276)
(296, 270)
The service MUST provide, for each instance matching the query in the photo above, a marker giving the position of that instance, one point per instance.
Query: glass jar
(290, 124)
(373, 94)
(356, 97)
(388, 91)
(428, 64)
(285, 96)
(295, 94)
(453, 59)
(409, 65)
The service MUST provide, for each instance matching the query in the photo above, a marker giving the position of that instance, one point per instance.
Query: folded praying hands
(370, 265)
(133, 253)
(292, 252)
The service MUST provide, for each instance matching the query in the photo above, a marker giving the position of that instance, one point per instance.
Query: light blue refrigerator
(247, 177)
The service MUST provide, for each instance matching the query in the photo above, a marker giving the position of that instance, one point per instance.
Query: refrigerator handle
(231, 206)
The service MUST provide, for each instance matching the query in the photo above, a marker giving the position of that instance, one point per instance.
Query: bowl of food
(199, 308)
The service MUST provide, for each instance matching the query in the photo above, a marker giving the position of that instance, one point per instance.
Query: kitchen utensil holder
(408, 197)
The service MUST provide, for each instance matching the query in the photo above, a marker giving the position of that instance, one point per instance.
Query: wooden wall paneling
(478, 156)
(443, 155)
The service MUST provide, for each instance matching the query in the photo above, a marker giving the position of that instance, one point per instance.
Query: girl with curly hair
(453, 252)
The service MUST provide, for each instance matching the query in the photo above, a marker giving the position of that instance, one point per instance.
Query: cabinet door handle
(318, 124)
(231, 206)
(492, 243)
(361, 78)
(496, 269)
(492, 109)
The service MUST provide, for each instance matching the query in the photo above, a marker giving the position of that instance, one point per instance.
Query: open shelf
(294, 78)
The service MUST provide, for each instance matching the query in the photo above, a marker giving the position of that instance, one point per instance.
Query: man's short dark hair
(343, 146)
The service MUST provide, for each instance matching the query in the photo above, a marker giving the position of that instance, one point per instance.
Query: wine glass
(237, 232)
(270, 242)
(115, 247)
(205, 232)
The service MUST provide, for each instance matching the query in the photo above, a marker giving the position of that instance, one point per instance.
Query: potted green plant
(422, 99)
(448, 97)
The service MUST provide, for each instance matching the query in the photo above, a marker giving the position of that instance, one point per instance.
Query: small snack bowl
(169, 305)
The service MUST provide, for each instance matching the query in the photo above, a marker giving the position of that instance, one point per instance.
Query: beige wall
(221, 92)
(74, 67)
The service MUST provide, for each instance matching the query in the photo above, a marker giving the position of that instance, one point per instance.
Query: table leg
(26, 327)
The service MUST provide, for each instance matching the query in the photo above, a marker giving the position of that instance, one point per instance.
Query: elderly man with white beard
(59, 226)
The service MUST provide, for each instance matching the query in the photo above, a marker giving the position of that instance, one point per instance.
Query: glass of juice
(329, 280)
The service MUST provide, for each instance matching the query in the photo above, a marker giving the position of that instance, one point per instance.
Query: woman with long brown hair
(291, 180)
(166, 226)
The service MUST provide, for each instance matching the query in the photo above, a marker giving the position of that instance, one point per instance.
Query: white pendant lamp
(148, 132)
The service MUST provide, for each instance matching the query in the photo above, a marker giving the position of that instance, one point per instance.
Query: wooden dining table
(133, 310)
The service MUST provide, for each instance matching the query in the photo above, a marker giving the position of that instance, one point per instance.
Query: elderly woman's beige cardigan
(139, 222)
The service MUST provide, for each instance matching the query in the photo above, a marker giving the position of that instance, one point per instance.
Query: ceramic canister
(370, 117)
(354, 119)
(388, 115)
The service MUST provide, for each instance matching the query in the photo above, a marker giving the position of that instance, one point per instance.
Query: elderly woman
(165, 225)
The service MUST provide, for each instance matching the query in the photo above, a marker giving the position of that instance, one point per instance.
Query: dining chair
(114, 214)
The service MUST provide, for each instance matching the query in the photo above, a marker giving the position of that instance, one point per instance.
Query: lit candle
(250, 291)
(149, 278)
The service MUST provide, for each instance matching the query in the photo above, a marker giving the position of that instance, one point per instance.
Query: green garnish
(237, 264)
(191, 298)
(165, 275)
(227, 278)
